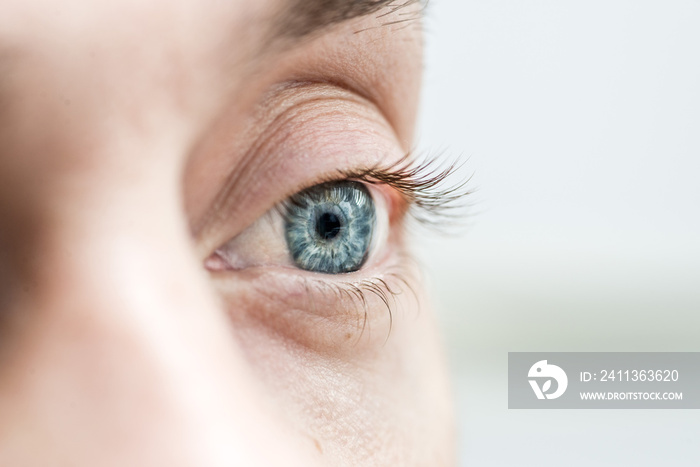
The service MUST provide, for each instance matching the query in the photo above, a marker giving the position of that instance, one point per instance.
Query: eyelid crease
(305, 93)
(352, 91)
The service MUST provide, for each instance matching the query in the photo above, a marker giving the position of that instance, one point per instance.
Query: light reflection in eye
(329, 227)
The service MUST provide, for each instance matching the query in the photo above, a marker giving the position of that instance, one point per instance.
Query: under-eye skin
(329, 227)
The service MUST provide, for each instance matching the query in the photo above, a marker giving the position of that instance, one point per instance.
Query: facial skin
(139, 143)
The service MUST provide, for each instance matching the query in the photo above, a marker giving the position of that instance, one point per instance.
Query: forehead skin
(120, 122)
(103, 60)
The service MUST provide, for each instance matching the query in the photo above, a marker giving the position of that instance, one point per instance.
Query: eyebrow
(306, 17)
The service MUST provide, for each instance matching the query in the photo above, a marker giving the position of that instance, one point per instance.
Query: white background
(581, 125)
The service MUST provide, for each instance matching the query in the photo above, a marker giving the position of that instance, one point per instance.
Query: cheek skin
(364, 396)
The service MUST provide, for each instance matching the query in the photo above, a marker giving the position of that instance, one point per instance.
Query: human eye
(340, 227)
(326, 255)
(333, 227)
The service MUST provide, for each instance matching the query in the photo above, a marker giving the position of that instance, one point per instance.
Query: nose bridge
(120, 349)
(95, 244)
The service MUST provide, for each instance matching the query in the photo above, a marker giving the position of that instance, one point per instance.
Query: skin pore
(141, 145)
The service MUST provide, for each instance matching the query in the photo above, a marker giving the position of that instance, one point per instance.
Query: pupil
(328, 226)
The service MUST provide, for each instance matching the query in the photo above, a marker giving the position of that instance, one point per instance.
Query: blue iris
(329, 227)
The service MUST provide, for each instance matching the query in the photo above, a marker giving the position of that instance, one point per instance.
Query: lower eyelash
(388, 288)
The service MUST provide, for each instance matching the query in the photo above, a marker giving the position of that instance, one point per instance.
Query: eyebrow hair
(306, 17)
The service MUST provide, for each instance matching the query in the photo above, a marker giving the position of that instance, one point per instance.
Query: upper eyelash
(432, 191)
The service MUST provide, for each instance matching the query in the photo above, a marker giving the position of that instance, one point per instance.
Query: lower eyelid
(321, 311)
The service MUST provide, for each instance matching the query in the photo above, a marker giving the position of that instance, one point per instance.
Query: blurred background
(581, 125)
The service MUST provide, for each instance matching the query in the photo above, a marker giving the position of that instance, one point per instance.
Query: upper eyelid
(288, 96)
(304, 94)
(416, 188)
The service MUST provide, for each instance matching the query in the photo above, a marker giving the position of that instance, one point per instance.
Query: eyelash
(422, 186)
(431, 198)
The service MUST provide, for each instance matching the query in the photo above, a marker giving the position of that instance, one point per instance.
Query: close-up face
(203, 259)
